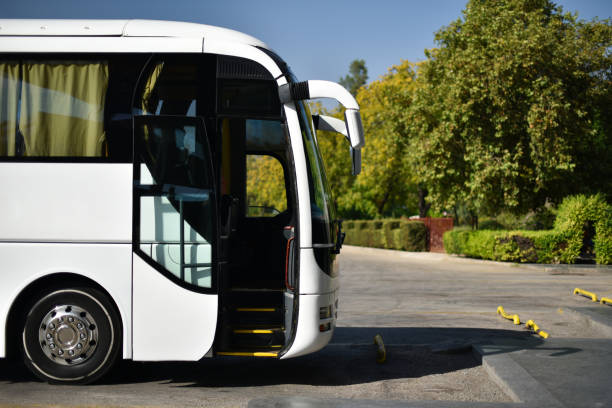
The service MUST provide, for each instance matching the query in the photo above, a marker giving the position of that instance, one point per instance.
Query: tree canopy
(357, 76)
(385, 186)
(511, 111)
(513, 107)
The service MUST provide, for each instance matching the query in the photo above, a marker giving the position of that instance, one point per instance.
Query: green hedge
(389, 234)
(562, 244)
(511, 246)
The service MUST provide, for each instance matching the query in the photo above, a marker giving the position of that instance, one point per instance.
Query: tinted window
(62, 108)
(53, 108)
(170, 88)
(175, 197)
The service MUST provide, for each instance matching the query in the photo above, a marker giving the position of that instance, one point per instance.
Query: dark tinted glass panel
(53, 108)
(61, 108)
(324, 226)
(248, 97)
(175, 193)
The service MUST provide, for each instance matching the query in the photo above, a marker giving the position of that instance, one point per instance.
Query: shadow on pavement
(349, 359)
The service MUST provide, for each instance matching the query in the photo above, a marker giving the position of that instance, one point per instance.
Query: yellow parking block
(514, 317)
(586, 293)
(381, 353)
(532, 325)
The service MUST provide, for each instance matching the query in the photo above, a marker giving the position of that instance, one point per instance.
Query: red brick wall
(436, 228)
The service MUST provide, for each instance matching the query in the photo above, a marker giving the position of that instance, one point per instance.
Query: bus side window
(53, 108)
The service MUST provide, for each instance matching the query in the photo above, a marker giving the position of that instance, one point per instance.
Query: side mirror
(352, 128)
(331, 124)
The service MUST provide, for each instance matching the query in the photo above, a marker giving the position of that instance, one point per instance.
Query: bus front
(319, 237)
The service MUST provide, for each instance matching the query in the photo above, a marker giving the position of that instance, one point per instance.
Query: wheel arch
(27, 297)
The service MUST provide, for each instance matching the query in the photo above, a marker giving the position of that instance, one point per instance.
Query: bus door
(175, 301)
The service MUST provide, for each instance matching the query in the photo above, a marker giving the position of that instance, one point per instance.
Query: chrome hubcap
(68, 335)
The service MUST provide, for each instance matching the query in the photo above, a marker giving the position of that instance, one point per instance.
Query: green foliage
(563, 244)
(265, 185)
(513, 108)
(490, 224)
(386, 186)
(357, 77)
(542, 218)
(389, 233)
(510, 246)
(579, 213)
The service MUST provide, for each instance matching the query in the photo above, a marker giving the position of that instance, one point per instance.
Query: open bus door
(175, 299)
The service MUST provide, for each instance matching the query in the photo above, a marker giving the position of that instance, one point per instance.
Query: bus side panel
(312, 279)
(317, 291)
(66, 202)
(308, 337)
(170, 322)
(107, 264)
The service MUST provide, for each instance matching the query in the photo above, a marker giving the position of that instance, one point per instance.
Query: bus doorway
(257, 296)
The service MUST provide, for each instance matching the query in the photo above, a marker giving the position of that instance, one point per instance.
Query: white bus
(134, 220)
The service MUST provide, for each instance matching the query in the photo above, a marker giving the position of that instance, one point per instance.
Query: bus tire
(71, 336)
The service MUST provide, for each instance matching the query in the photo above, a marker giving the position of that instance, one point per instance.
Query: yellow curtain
(62, 108)
(148, 103)
(9, 102)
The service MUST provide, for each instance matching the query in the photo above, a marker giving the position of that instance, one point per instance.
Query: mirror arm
(330, 124)
(352, 127)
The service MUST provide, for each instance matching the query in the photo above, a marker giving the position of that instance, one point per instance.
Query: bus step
(248, 353)
(257, 309)
(258, 331)
(247, 338)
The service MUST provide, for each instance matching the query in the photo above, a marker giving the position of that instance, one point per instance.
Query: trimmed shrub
(389, 234)
(579, 214)
(577, 217)
(391, 238)
(511, 246)
(413, 236)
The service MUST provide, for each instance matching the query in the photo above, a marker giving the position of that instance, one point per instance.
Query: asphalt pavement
(446, 346)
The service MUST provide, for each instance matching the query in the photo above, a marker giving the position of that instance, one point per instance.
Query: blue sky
(317, 38)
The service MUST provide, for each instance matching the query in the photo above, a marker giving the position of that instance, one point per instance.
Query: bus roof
(121, 28)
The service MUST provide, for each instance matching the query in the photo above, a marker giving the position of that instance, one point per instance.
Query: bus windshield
(321, 204)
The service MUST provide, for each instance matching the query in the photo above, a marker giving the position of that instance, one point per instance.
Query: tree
(386, 186)
(357, 77)
(514, 108)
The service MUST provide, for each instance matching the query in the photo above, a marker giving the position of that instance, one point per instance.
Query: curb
(514, 380)
(595, 318)
(309, 402)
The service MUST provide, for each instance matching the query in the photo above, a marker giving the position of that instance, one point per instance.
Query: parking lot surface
(446, 346)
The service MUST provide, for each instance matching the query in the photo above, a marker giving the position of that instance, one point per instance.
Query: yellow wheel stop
(586, 293)
(514, 317)
(381, 353)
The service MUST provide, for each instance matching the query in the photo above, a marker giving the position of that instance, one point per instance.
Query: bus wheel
(71, 336)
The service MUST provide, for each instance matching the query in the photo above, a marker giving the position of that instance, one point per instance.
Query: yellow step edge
(256, 309)
(254, 331)
(248, 353)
